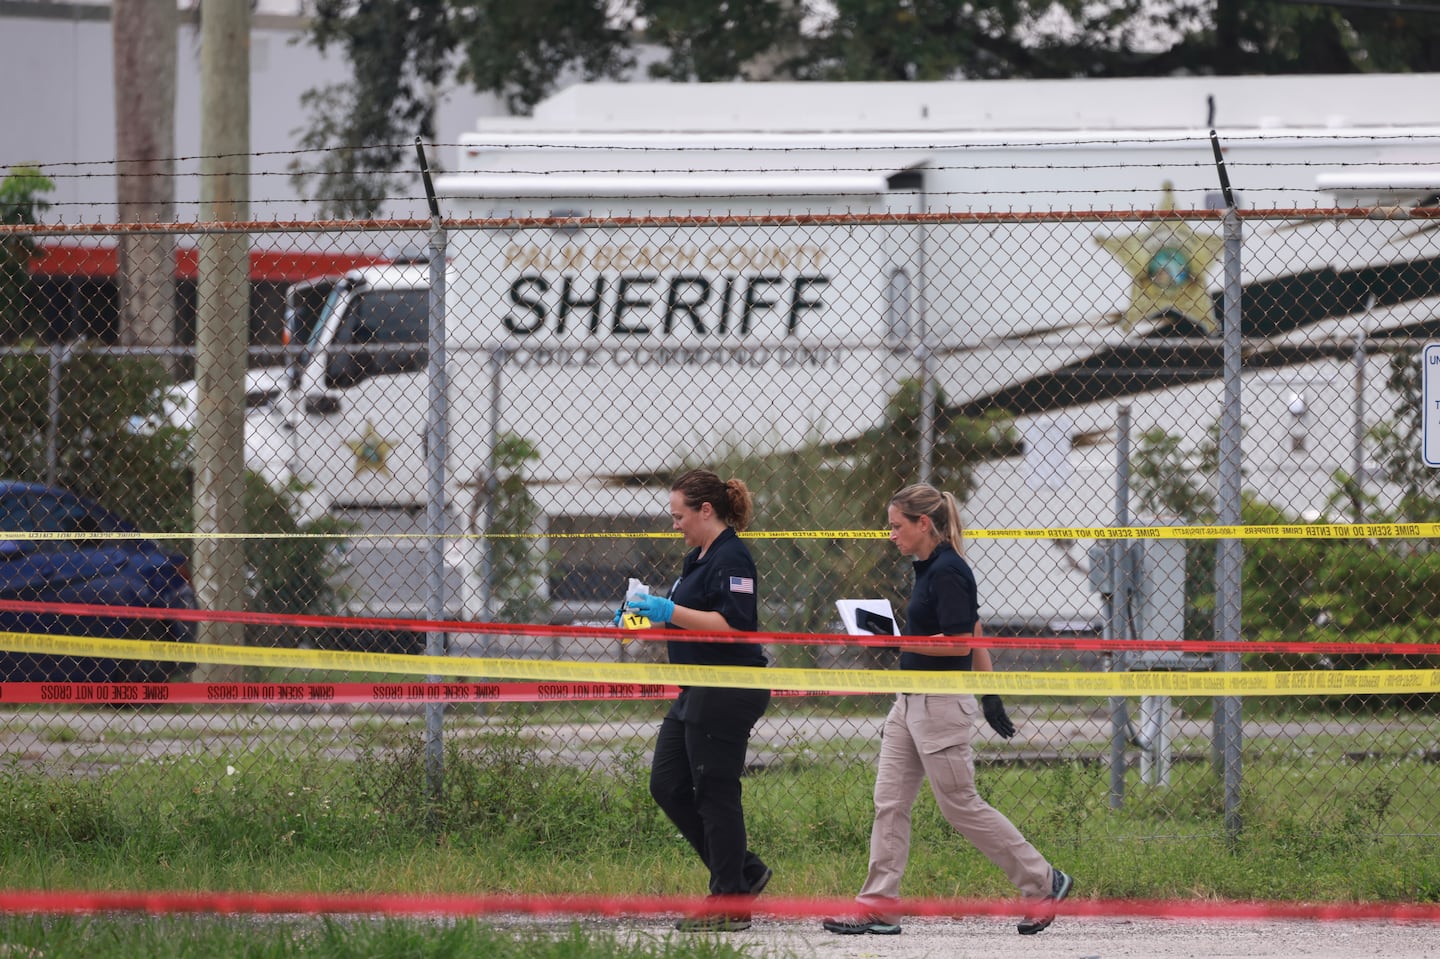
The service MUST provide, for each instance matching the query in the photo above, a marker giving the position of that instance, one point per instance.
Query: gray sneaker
(1060, 886)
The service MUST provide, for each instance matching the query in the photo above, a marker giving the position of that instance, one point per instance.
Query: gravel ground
(1078, 938)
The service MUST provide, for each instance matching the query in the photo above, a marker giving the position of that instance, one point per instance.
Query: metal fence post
(1358, 408)
(436, 445)
(926, 423)
(492, 486)
(1115, 623)
(58, 354)
(1227, 731)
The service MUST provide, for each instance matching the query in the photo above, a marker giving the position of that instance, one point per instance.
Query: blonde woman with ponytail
(928, 735)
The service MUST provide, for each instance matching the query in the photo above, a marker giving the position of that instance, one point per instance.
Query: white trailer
(599, 335)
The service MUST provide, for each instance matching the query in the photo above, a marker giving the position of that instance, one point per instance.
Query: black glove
(995, 715)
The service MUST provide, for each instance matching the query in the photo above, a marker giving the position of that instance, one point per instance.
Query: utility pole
(222, 324)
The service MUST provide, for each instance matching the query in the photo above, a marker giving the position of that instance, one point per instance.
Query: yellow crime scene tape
(1204, 532)
(806, 680)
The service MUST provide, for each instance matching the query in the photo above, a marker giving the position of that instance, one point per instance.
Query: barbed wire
(955, 217)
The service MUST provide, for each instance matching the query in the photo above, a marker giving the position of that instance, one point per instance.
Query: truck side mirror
(322, 405)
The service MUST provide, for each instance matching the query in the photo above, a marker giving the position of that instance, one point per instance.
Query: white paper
(847, 608)
(629, 620)
(1047, 453)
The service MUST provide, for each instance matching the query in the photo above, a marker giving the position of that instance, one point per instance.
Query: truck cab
(355, 410)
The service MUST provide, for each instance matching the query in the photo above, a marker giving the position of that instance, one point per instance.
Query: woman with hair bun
(928, 735)
(700, 750)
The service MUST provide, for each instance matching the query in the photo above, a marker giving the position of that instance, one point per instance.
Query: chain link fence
(1056, 371)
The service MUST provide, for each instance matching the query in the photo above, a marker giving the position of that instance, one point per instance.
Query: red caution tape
(85, 694)
(610, 634)
(398, 904)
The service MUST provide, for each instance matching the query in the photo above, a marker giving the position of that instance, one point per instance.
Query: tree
(705, 40)
(1399, 441)
(949, 39)
(20, 204)
(1299, 590)
(144, 41)
(846, 486)
(401, 51)
(518, 563)
(1231, 37)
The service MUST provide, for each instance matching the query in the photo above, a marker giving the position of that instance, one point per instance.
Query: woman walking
(928, 735)
(700, 751)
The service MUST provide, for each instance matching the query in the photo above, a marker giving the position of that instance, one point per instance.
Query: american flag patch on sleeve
(742, 584)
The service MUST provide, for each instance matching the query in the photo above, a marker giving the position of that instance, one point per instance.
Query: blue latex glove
(619, 615)
(657, 609)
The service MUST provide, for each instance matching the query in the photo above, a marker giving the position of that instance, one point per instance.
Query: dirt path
(1081, 938)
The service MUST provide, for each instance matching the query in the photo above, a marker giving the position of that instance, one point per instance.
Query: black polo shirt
(722, 581)
(943, 601)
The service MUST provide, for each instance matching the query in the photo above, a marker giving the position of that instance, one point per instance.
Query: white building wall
(57, 68)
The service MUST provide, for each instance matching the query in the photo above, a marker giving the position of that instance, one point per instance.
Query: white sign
(1430, 405)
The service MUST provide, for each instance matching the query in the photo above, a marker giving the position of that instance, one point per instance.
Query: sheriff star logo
(1167, 262)
(372, 452)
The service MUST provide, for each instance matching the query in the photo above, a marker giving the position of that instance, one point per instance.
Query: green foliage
(1282, 579)
(1078, 793)
(1346, 828)
(399, 52)
(1399, 438)
(350, 168)
(1231, 37)
(808, 490)
(512, 817)
(20, 191)
(299, 818)
(709, 41)
(886, 455)
(36, 811)
(947, 39)
(518, 563)
(1163, 475)
(143, 472)
(520, 50)
(498, 785)
(290, 575)
(201, 937)
(1302, 589)
(823, 486)
(1349, 589)
(20, 204)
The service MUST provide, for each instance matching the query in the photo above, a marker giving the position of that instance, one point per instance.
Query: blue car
(109, 572)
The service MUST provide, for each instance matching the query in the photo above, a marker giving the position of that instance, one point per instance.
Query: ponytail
(730, 498)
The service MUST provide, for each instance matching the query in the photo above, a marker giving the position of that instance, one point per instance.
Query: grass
(205, 938)
(1344, 816)
(511, 820)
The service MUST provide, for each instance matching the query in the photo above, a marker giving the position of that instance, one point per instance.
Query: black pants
(695, 779)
